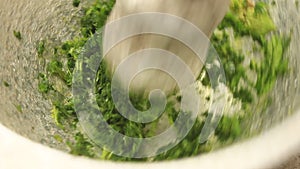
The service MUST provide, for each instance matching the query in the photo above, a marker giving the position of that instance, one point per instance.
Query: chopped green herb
(81, 147)
(19, 108)
(76, 3)
(58, 138)
(17, 34)
(40, 48)
(6, 84)
(44, 85)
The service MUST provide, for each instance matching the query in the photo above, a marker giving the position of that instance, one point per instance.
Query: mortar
(27, 113)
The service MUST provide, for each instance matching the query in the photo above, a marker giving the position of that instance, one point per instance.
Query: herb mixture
(251, 74)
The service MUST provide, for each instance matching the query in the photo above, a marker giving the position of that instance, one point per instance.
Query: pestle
(203, 14)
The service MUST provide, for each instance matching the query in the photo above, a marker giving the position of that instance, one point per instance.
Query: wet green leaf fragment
(40, 48)
(76, 3)
(18, 35)
(44, 85)
(19, 108)
(6, 84)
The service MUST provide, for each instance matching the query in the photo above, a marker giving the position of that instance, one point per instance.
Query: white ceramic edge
(262, 152)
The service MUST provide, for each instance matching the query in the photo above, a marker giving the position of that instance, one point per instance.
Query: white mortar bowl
(21, 132)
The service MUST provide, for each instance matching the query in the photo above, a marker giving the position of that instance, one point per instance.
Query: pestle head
(203, 14)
